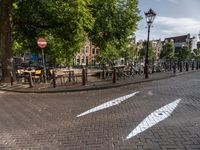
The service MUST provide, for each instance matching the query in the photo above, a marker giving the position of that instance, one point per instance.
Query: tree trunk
(5, 39)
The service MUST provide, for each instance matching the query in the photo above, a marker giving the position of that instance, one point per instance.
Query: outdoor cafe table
(65, 74)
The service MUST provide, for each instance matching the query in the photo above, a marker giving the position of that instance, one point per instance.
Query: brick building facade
(87, 55)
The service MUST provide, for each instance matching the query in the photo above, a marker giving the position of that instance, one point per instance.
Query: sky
(174, 18)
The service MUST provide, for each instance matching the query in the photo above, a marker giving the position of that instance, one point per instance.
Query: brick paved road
(48, 121)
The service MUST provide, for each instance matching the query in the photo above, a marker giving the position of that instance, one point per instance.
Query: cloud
(173, 1)
(177, 25)
(164, 27)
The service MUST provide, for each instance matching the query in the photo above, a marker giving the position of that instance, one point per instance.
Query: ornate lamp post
(150, 15)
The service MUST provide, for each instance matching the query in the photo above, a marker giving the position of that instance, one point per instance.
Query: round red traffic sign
(41, 42)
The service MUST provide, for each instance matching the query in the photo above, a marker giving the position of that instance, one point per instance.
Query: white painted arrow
(108, 104)
(154, 118)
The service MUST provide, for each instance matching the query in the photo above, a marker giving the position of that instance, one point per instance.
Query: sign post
(41, 42)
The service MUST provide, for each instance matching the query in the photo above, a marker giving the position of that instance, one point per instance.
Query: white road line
(154, 118)
(1, 92)
(108, 104)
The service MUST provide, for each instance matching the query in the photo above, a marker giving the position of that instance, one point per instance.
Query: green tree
(196, 54)
(167, 51)
(115, 22)
(130, 51)
(184, 53)
(129, 54)
(108, 56)
(63, 23)
(151, 52)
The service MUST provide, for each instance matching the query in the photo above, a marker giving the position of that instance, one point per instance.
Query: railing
(65, 77)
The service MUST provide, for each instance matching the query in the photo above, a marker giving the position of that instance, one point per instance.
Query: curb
(101, 87)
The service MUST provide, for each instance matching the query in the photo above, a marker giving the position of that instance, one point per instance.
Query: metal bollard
(181, 67)
(69, 76)
(192, 65)
(54, 79)
(178, 65)
(114, 75)
(11, 79)
(30, 80)
(83, 76)
(86, 74)
(174, 67)
(103, 74)
(186, 66)
(131, 71)
(153, 70)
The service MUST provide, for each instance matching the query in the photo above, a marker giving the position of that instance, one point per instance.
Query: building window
(93, 51)
(97, 51)
(83, 59)
(78, 61)
(83, 50)
(87, 49)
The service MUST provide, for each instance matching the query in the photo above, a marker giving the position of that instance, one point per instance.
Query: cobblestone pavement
(49, 122)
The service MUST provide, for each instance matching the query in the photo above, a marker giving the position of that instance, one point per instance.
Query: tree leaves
(168, 51)
(64, 23)
(184, 53)
(115, 22)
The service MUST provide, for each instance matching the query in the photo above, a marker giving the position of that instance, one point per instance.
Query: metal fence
(67, 77)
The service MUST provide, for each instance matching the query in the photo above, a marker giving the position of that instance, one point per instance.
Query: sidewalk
(48, 88)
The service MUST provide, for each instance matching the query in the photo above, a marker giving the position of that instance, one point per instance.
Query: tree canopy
(151, 52)
(184, 53)
(197, 54)
(66, 25)
(63, 23)
(115, 22)
(167, 51)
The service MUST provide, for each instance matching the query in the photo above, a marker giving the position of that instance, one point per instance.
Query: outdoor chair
(37, 76)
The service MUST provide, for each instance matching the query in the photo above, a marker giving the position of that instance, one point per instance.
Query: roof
(178, 39)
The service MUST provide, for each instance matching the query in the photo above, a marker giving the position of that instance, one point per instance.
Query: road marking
(154, 118)
(2, 92)
(108, 104)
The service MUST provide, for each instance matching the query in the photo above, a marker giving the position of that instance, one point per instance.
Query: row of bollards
(30, 80)
(84, 75)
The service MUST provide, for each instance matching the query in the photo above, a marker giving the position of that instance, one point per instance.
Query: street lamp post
(150, 15)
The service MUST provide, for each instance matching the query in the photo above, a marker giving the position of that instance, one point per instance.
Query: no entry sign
(41, 42)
